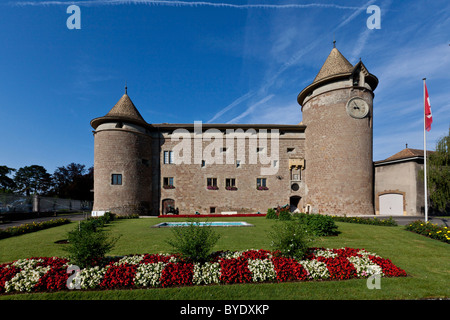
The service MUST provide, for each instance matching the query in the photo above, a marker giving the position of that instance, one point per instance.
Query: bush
(88, 243)
(372, 221)
(284, 215)
(291, 238)
(194, 242)
(320, 225)
(271, 214)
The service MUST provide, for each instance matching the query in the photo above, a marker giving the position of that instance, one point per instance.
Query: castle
(323, 164)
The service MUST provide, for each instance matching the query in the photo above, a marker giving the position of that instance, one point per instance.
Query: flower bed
(31, 227)
(224, 267)
(430, 230)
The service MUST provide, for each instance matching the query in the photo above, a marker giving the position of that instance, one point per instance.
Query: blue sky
(232, 61)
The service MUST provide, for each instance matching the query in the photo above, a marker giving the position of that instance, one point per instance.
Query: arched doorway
(168, 206)
(293, 203)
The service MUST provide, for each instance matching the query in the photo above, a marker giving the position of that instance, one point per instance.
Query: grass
(426, 261)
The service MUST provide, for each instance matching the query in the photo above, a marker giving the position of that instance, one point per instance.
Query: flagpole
(425, 151)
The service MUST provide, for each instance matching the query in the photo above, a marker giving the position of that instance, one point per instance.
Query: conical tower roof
(123, 110)
(335, 64)
(336, 67)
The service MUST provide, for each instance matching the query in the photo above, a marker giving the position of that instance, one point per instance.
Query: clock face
(357, 108)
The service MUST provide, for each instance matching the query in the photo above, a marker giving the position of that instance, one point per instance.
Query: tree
(438, 174)
(32, 179)
(6, 183)
(73, 181)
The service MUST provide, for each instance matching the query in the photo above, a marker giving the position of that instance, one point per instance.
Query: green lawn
(426, 261)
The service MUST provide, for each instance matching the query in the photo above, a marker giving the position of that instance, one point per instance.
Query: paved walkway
(72, 217)
(404, 220)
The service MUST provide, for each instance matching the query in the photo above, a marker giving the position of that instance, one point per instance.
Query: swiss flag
(428, 116)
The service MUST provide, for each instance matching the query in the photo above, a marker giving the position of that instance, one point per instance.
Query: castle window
(212, 209)
(168, 157)
(203, 163)
(238, 163)
(119, 125)
(223, 150)
(275, 163)
(230, 182)
(259, 150)
(211, 183)
(116, 179)
(290, 150)
(168, 182)
(261, 182)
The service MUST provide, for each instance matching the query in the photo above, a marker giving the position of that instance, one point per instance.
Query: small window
(259, 150)
(119, 125)
(168, 157)
(223, 150)
(238, 163)
(290, 150)
(275, 163)
(168, 181)
(116, 179)
(230, 182)
(261, 182)
(212, 209)
(203, 163)
(211, 182)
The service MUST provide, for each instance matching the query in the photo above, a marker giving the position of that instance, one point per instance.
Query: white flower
(206, 273)
(149, 274)
(365, 267)
(26, 279)
(316, 269)
(262, 270)
(135, 259)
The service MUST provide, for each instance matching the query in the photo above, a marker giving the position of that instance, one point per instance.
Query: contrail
(177, 3)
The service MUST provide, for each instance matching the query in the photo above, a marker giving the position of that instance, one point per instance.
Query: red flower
(7, 274)
(340, 268)
(388, 268)
(119, 276)
(177, 274)
(288, 269)
(235, 270)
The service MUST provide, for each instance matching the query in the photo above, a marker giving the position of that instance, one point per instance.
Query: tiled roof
(125, 108)
(335, 64)
(405, 154)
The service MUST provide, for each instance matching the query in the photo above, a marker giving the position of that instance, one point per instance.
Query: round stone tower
(338, 113)
(122, 161)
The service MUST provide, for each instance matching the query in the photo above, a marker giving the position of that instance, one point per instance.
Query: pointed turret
(336, 68)
(335, 65)
(123, 110)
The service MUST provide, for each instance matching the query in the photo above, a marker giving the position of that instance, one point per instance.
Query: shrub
(320, 225)
(284, 215)
(88, 244)
(271, 214)
(194, 242)
(291, 238)
(372, 221)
